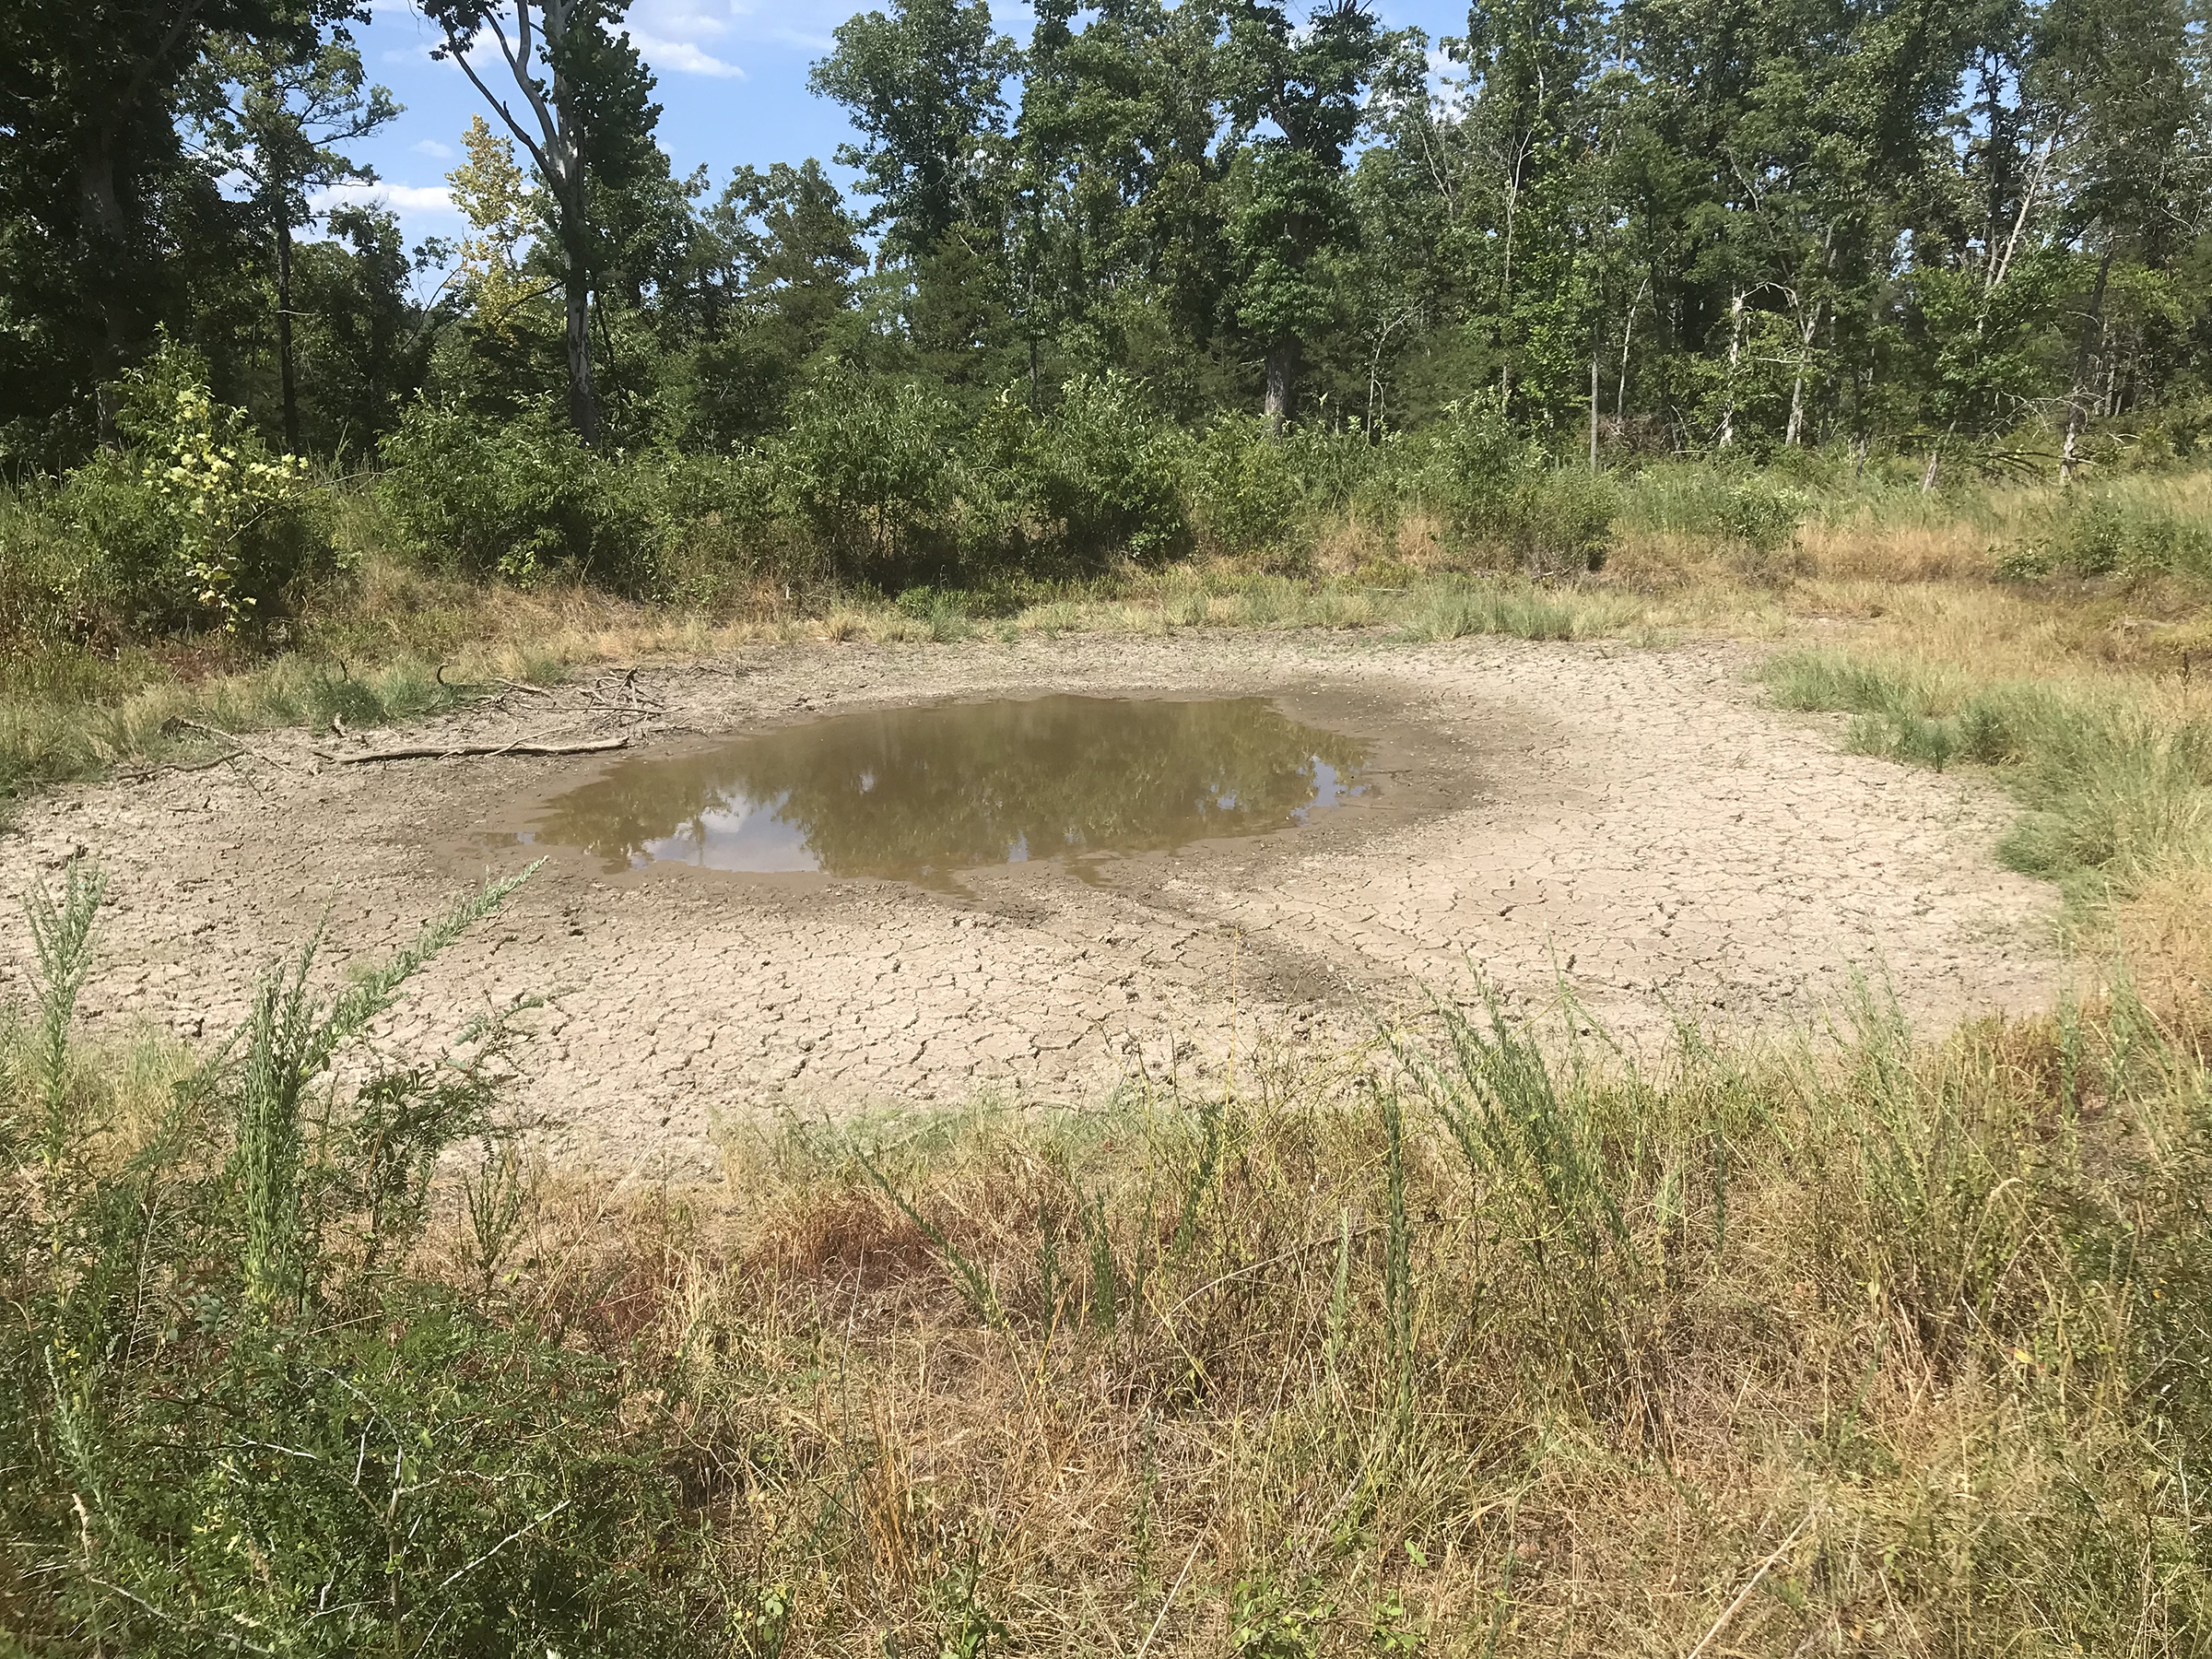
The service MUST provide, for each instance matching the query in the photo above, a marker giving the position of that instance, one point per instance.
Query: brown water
(922, 792)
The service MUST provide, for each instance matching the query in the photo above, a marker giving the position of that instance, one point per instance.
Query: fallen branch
(1744, 1595)
(634, 701)
(185, 766)
(179, 724)
(432, 751)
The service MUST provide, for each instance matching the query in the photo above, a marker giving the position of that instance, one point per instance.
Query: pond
(920, 793)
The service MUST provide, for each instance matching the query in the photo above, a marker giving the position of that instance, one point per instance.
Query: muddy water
(920, 793)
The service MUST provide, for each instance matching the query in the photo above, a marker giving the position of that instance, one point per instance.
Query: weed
(2114, 796)
(1526, 613)
(1270, 1622)
(237, 1420)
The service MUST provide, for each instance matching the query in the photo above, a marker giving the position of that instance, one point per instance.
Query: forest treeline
(1085, 279)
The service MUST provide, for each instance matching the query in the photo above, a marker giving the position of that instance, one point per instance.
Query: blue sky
(733, 89)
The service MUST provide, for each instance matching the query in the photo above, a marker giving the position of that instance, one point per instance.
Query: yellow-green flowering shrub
(192, 523)
(219, 485)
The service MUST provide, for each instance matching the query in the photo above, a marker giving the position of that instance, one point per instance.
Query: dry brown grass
(1874, 1348)
(1412, 541)
(1960, 549)
(1395, 1393)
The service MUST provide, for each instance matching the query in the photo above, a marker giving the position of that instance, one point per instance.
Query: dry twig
(452, 751)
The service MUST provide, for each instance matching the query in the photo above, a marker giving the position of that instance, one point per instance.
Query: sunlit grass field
(1478, 1338)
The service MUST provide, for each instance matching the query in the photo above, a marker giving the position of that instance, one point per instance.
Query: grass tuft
(2117, 790)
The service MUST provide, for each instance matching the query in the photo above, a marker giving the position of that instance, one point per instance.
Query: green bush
(1106, 471)
(1501, 498)
(56, 582)
(236, 1421)
(1759, 515)
(2115, 531)
(870, 466)
(1758, 520)
(1246, 492)
(1342, 469)
(195, 525)
(719, 526)
(521, 502)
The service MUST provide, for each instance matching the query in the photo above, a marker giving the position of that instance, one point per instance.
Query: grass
(1483, 1339)
(403, 645)
(370, 646)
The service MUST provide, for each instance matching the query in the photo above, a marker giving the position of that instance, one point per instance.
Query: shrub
(56, 581)
(717, 524)
(1500, 497)
(226, 500)
(1106, 471)
(1342, 469)
(869, 466)
(522, 501)
(2114, 531)
(1246, 493)
(1758, 515)
(195, 525)
(1758, 520)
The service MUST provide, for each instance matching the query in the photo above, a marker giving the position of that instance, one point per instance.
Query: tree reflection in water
(908, 791)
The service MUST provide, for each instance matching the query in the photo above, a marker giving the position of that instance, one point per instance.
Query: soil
(1633, 821)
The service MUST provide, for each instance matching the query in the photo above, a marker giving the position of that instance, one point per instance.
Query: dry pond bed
(1633, 820)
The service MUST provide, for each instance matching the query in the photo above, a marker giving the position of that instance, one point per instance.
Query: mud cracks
(1634, 820)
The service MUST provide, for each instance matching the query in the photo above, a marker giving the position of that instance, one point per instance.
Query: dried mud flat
(1632, 819)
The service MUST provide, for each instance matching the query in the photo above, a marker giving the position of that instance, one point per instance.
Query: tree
(1291, 209)
(363, 342)
(1532, 124)
(2123, 83)
(1118, 244)
(99, 204)
(288, 107)
(773, 289)
(923, 85)
(586, 94)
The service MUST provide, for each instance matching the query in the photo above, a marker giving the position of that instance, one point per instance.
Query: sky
(732, 90)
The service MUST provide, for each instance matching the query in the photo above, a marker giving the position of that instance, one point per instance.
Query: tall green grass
(236, 1415)
(1485, 1338)
(1456, 610)
(2115, 791)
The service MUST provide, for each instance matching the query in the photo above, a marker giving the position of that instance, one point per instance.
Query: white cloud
(405, 199)
(682, 57)
(680, 22)
(432, 148)
(805, 25)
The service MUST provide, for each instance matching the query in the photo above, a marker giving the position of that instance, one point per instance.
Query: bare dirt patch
(1632, 819)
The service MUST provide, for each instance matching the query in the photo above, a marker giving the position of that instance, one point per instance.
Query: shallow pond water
(918, 793)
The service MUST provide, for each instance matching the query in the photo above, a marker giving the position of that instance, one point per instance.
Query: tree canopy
(1694, 224)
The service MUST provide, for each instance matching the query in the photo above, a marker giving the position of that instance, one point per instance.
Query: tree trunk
(100, 212)
(583, 401)
(1594, 410)
(284, 329)
(1628, 336)
(2093, 328)
(1928, 480)
(1804, 355)
(1736, 352)
(1282, 382)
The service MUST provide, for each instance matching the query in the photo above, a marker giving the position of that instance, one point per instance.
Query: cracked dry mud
(1635, 819)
